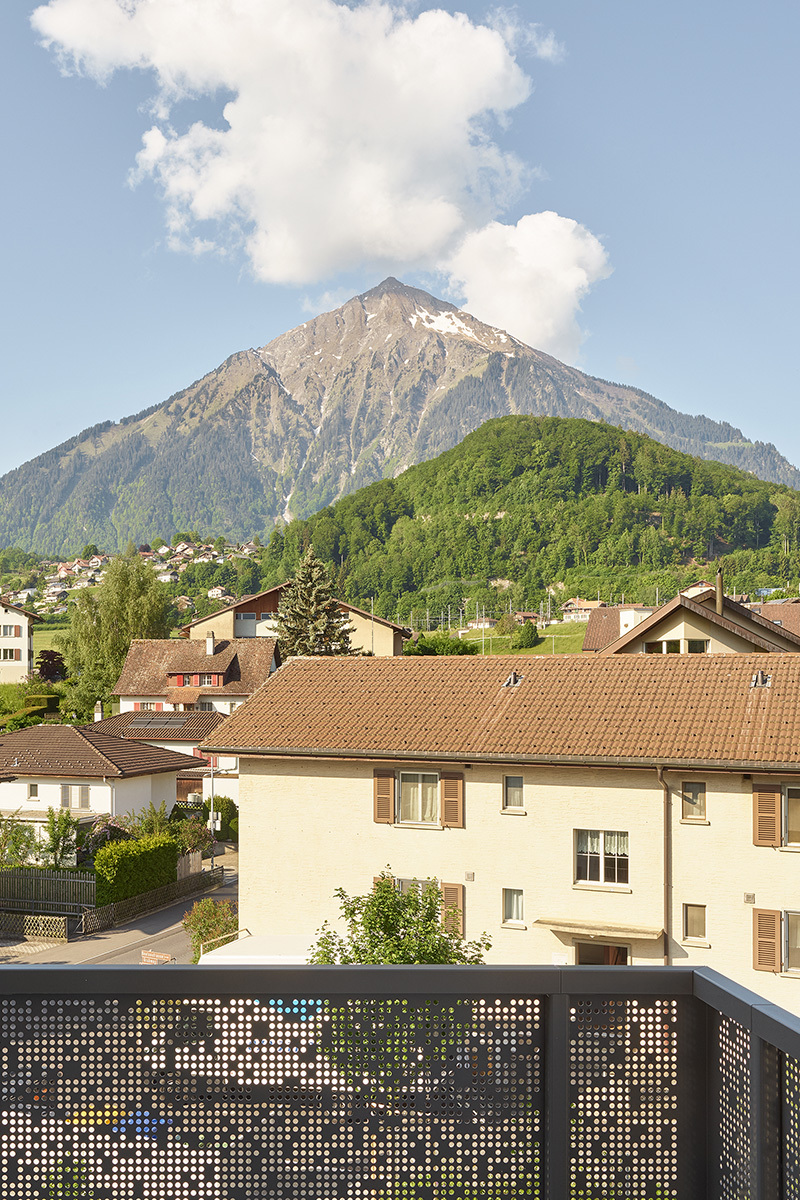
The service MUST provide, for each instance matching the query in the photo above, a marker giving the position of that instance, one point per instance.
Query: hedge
(125, 869)
(226, 810)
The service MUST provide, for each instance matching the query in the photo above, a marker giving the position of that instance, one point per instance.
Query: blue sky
(663, 136)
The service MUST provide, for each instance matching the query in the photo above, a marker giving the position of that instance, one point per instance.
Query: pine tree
(310, 620)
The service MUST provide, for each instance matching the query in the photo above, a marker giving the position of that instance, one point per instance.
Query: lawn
(564, 638)
(44, 638)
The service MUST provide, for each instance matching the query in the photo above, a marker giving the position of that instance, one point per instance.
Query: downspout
(667, 864)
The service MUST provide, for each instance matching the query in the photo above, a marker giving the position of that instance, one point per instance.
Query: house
(16, 642)
(482, 623)
(219, 593)
(257, 616)
(182, 675)
(580, 809)
(182, 732)
(708, 622)
(84, 770)
(577, 609)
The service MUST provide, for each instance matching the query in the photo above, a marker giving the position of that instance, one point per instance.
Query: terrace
(395, 1083)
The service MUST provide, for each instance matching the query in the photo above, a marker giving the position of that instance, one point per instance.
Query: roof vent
(761, 679)
(514, 680)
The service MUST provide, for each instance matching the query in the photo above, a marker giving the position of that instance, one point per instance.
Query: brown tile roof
(735, 619)
(276, 593)
(788, 613)
(68, 751)
(676, 710)
(150, 663)
(143, 726)
(602, 628)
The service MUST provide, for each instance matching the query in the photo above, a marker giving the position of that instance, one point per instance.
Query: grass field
(44, 638)
(565, 638)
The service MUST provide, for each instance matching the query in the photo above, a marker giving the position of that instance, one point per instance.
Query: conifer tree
(310, 620)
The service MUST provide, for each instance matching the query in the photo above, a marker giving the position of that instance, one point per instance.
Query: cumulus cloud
(529, 278)
(349, 134)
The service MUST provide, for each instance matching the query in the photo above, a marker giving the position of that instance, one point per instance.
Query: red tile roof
(151, 665)
(676, 710)
(69, 751)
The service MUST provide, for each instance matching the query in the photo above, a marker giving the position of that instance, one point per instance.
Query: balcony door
(593, 954)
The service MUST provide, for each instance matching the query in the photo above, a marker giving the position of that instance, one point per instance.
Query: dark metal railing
(395, 1083)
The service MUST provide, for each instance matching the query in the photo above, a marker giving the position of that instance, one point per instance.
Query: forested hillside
(537, 501)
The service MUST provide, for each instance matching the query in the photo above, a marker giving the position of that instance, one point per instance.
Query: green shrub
(226, 810)
(126, 869)
(210, 919)
(233, 829)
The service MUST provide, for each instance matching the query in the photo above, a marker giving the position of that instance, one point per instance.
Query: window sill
(583, 886)
(789, 849)
(417, 825)
(513, 812)
(513, 925)
(694, 821)
(700, 943)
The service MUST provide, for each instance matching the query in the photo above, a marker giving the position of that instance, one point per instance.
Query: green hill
(535, 501)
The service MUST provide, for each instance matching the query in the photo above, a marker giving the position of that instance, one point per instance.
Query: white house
(16, 642)
(84, 770)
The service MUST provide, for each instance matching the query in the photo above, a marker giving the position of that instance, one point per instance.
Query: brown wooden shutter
(17, 656)
(17, 631)
(766, 939)
(452, 789)
(383, 797)
(453, 897)
(766, 816)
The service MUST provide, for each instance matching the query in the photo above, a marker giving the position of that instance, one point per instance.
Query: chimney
(720, 595)
(98, 711)
(210, 642)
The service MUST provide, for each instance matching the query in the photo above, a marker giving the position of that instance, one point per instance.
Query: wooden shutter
(136, 706)
(17, 631)
(766, 815)
(383, 797)
(766, 939)
(452, 798)
(179, 681)
(17, 656)
(453, 897)
(195, 681)
(159, 706)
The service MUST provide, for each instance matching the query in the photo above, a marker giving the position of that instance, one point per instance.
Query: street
(162, 931)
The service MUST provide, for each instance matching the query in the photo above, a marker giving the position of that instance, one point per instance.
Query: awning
(182, 695)
(601, 929)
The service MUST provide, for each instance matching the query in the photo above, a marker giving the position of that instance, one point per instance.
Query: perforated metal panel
(732, 1071)
(252, 1096)
(791, 1128)
(623, 1080)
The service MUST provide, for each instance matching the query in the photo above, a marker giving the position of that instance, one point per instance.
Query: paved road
(162, 931)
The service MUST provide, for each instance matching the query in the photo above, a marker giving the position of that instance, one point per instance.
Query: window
(83, 796)
(792, 957)
(601, 856)
(693, 804)
(147, 706)
(698, 646)
(672, 646)
(513, 906)
(8, 655)
(205, 706)
(694, 921)
(8, 631)
(419, 798)
(65, 795)
(33, 791)
(776, 940)
(512, 791)
(404, 886)
(245, 616)
(205, 680)
(652, 648)
(776, 815)
(792, 811)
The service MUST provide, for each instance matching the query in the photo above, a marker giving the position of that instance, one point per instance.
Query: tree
(61, 829)
(89, 550)
(130, 603)
(209, 920)
(438, 643)
(526, 638)
(310, 620)
(50, 665)
(390, 926)
(18, 843)
(506, 626)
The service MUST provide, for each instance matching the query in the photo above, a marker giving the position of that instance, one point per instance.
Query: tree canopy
(310, 620)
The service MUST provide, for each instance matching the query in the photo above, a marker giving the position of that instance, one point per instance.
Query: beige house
(257, 616)
(16, 642)
(707, 622)
(605, 809)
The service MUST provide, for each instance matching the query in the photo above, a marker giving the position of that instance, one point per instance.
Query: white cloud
(529, 278)
(354, 135)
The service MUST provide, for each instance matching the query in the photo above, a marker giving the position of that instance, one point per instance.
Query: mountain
(392, 378)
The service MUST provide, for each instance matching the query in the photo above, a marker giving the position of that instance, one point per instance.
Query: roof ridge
(81, 733)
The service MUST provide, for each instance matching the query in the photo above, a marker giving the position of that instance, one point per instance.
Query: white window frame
(785, 915)
(436, 822)
(206, 679)
(8, 656)
(601, 881)
(8, 631)
(513, 922)
(787, 787)
(33, 791)
(687, 814)
(514, 808)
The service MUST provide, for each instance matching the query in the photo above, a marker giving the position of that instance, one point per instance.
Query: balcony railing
(395, 1083)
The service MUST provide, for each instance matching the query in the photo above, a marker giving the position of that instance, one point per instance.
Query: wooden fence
(56, 893)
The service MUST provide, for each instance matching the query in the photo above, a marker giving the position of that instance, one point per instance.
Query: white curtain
(512, 904)
(419, 800)
(616, 843)
(589, 841)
